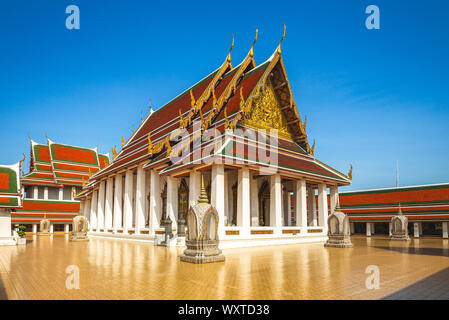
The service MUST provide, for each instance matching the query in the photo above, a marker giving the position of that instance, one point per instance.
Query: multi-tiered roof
(243, 96)
(55, 164)
(10, 189)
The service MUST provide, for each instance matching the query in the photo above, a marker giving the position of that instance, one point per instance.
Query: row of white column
(105, 207)
(35, 227)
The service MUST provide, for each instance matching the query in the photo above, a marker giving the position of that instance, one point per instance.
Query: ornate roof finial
(232, 46)
(251, 52)
(151, 108)
(20, 162)
(400, 210)
(203, 197)
(350, 173)
(123, 142)
(282, 39)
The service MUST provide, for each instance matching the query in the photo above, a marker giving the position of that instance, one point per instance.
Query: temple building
(426, 207)
(10, 200)
(57, 172)
(241, 130)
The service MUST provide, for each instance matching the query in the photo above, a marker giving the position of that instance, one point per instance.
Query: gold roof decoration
(114, 153)
(84, 182)
(150, 145)
(350, 173)
(20, 162)
(90, 173)
(251, 51)
(282, 39)
(229, 54)
(123, 142)
(192, 100)
(400, 210)
(167, 144)
(73, 192)
(227, 124)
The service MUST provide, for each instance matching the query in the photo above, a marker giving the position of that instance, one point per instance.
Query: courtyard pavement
(114, 269)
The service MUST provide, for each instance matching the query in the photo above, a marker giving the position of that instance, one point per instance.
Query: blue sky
(372, 97)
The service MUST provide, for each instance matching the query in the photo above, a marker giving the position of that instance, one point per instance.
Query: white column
(128, 203)
(35, 192)
(140, 199)
(108, 205)
(415, 230)
(51, 227)
(155, 201)
(86, 210)
(420, 229)
(312, 206)
(285, 206)
(254, 201)
(301, 204)
(368, 229)
(352, 227)
(118, 197)
(172, 201)
(194, 187)
(60, 194)
(243, 201)
(445, 233)
(390, 228)
(322, 206)
(46, 193)
(34, 228)
(217, 195)
(93, 211)
(147, 198)
(289, 211)
(100, 208)
(333, 197)
(66, 228)
(276, 203)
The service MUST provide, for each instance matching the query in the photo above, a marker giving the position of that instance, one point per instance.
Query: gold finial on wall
(312, 151)
(350, 173)
(114, 153)
(282, 39)
(20, 162)
(123, 142)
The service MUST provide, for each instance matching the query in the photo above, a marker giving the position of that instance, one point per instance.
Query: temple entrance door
(183, 205)
(264, 204)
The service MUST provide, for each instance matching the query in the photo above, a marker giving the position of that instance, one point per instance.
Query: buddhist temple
(425, 206)
(10, 200)
(241, 129)
(57, 172)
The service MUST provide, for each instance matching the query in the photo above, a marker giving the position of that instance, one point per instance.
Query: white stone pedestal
(6, 238)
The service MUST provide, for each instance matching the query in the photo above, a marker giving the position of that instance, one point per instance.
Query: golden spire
(312, 151)
(350, 173)
(123, 142)
(400, 210)
(232, 46)
(150, 145)
(251, 52)
(203, 197)
(282, 39)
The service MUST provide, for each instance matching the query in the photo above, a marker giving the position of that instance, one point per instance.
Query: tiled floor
(114, 269)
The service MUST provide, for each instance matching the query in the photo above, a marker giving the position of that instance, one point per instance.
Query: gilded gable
(266, 113)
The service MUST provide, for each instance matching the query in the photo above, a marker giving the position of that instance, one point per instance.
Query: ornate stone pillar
(217, 195)
(243, 201)
(333, 197)
(172, 201)
(35, 228)
(301, 204)
(416, 230)
(128, 202)
(118, 199)
(66, 228)
(155, 201)
(445, 231)
(100, 210)
(108, 205)
(368, 229)
(93, 211)
(322, 206)
(52, 227)
(276, 203)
